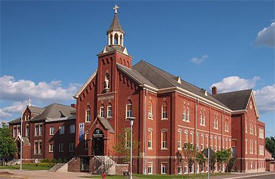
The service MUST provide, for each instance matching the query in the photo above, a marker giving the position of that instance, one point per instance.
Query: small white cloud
(265, 99)
(199, 60)
(20, 90)
(16, 107)
(266, 36)
(234, 83)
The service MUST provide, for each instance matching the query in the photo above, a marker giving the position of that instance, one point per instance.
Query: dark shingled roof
(162, 79)
(15, 121)
(35, 109)
(106, 124)
(115, 26)
(236, 100)
(55, 111)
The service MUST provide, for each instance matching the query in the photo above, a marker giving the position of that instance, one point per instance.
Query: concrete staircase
(104, 164)
(14, 162)
(59, 167)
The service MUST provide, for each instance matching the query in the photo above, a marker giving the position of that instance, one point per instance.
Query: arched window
(201, 118)
(88, 115)
(116, 39)
(164, 111)
(129, 109)
(101, 111)
(150, 110)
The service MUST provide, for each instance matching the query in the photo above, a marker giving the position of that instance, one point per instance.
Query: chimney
(214, 90)
(73, 105)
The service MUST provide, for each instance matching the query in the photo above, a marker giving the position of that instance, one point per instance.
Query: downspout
(196, 126)
(144, 131)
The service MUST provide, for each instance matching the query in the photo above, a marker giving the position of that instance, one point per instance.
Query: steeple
(115, 35)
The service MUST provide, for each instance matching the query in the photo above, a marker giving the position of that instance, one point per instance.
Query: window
(245, 146)
(164, 139)
(14, 131)
(27, 131)
(61, 147)
(150, 111)
(35, 147)
(150, 168)
(129, 109)
(226, 126)
(185, 169)
(164, 111)
(261, 150)
(150, 138)
(61, 130)
(216, 122)
(51, 130)
(101, 111)
(179, 138)
(51, 148)
(36, 130)
(215, 144)
(179, 170)
(72, 129)
(184, 114)
(201, 122)
(109, 111)
(188, 115)
(163, 168)
(251, 129)
(40, 129)
(88, 115)
(202, 142)
(71, 147)
(186, 136)
(261, 133)
(245, 126)
(40, 147)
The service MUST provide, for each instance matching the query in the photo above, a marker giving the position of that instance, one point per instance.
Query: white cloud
(20, 90)
(265, 97)
(199, 60)
(266, 36)
(16, 107)
(234, 83)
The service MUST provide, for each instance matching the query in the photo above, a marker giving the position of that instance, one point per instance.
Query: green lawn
(31, 166)
(161, 176)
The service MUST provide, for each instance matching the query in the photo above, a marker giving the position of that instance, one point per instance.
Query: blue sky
(49, 48)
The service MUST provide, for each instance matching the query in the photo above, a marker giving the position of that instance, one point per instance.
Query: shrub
(46, 160)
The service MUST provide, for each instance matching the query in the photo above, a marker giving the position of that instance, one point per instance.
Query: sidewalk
(234, 175)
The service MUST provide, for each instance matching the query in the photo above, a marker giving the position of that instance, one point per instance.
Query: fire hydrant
(103, 175)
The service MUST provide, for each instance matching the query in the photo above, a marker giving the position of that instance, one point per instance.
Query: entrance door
(84, 164)
(98, 142)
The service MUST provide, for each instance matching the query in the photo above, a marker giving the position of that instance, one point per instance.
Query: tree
(189, 152)
(212, 161)
(200, 159)
(270, 145)
(7, 144)
(123, 145)
(223, 156)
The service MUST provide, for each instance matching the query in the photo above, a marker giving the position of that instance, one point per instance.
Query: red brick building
(48, 132)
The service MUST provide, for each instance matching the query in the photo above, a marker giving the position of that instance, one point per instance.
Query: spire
(29, 102)
(115, 26)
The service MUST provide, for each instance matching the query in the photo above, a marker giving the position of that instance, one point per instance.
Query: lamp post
(131, 119)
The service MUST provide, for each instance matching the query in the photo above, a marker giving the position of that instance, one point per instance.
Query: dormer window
(101, 111)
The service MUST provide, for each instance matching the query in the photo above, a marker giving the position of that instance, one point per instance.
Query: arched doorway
(98, 142)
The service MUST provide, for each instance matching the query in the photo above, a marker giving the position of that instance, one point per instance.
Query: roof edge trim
(85, 84)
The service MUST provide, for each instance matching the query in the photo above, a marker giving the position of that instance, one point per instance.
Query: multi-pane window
(184, 114)
(216, 122)
(37, 147)
(109, 111)
(226, 126)
(72, 129)
(71, 147)
(51, 146)
(164, 111)
(150, 138)
(186, 136)
(51, 130)
(61, 130)
(179, 139)
(129, 109)
(88, 115)
(40, 129)
(211, 141)
(61, 147)
(101, 111)
(261, 150)
(187, 114)
(163, 168)
(179, 169)
(251, 129)
(40, 147)
(164, 139)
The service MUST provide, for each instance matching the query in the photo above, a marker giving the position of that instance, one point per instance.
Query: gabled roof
(15, 121)
(236, 100)
(86, 84)
(162, 79)
(115, 26)
(55, 111)
(35, 109)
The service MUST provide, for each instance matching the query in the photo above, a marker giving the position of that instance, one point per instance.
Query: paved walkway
(242, 175)
(40, 174)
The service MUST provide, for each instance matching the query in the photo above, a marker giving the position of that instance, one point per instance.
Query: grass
(30, 166)
(160, 176)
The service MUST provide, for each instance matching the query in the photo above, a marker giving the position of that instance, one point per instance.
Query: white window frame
(36, 130)
(187, 114)
(184, 114)
(179, 167)
(186, 136)
(179, 143)
(150, 112)
(163, 165)
(61, 130)
(109, 111)
(101, 111)
(151, 139)
(150, 165)
(88, 115)
(51, 147)
(164, 116)
(40, 129)
(164, 143)
(51, 130)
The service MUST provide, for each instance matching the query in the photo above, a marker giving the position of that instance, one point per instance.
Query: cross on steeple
(115, 9)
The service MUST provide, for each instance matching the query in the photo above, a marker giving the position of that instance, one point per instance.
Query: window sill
(150, 148)
(164, 118)
(164, 149)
